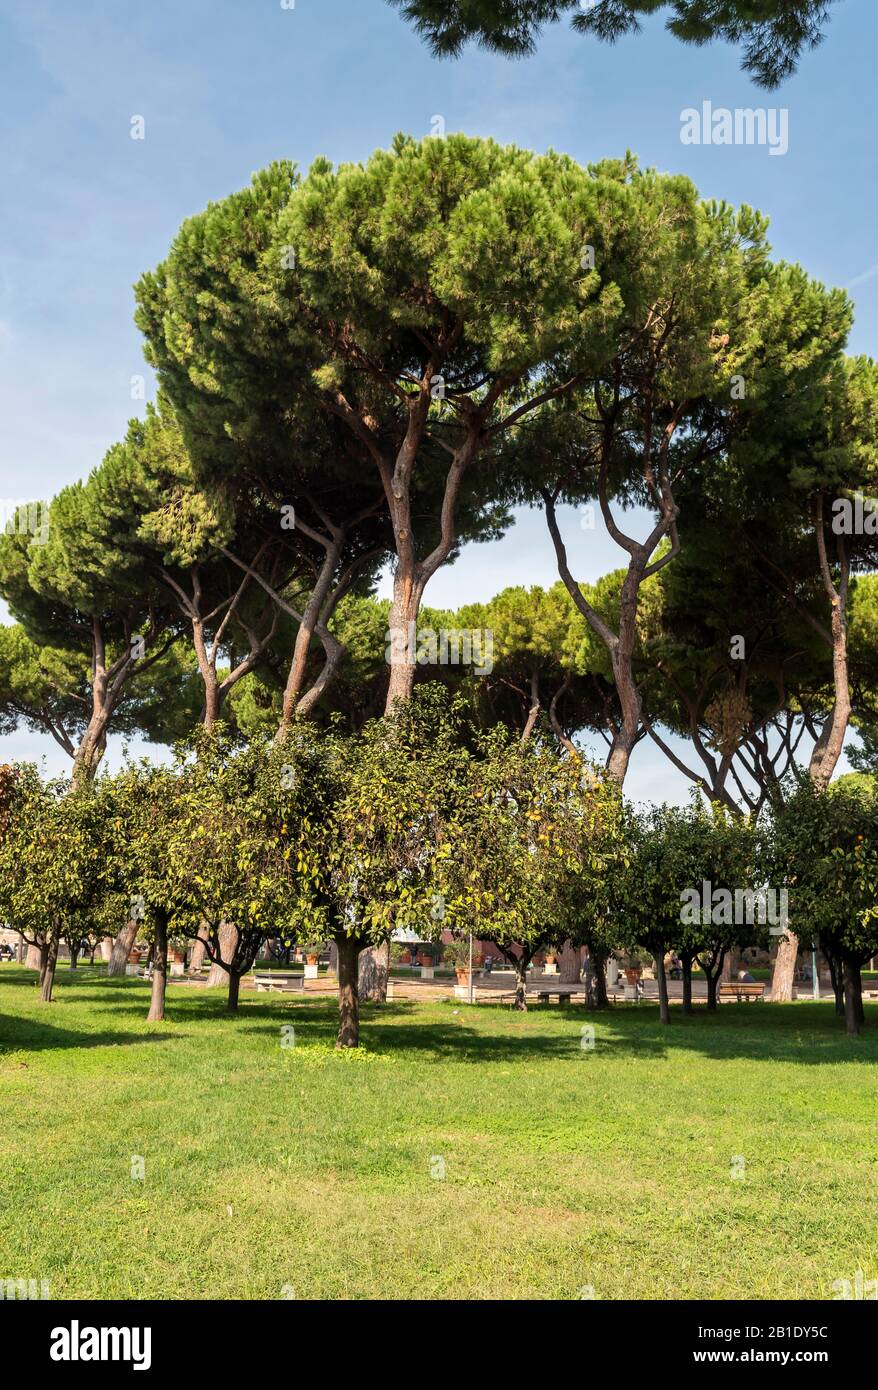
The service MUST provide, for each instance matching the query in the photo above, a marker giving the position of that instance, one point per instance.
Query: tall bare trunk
(159, 971)
(373, 973)
(196, 960)
(828, 747)
(402, 642)
(783, 973)
(570, 963)
(228, 940)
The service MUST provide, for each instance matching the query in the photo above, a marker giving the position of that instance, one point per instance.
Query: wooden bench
(272, 982)
(741, 989)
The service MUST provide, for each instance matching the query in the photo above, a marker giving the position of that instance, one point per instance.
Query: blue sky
(225, 86)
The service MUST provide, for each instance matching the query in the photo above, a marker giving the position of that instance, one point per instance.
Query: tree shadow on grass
(808, 1034)
(31, 1035)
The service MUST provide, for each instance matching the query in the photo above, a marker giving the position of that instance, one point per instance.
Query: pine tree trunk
(196, 960)
(159, 971)
(348, 951)
(228, 940)
(784, 973)
(403, 622)
(373, 973)
(122, 949)
(570, 964)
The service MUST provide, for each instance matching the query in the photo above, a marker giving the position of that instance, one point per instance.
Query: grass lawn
(272, 1168)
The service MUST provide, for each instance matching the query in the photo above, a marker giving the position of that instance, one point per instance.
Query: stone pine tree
(426, 301)
(772, 33)
(83, 591)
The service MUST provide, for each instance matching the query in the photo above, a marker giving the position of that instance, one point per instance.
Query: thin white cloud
(866, 275)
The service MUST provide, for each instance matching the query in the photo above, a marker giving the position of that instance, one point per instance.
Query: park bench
(272, 982)
(562, 992)
(741, 989)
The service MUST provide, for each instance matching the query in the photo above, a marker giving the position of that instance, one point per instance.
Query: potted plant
(311, 952)
(633, 967)
(457, 955)
(425, 960)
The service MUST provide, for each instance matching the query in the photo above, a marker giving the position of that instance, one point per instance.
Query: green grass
(564, 1168)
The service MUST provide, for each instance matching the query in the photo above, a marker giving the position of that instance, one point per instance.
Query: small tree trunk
(106, 948)
(713, 969)
(159, 971)
(74, 953)
(595, 977)
(599, 959)
(48, 978)
(836, 974)
(34, 959)
(661, 977)
(521, 965)
(122, 948)
(374, 971)
(234, 992)
(686, 962)
(853, 997)
(348, 951)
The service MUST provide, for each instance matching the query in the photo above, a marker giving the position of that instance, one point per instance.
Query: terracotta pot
(312, 960)
(462, 975)
(632, 976)
(134, 955)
